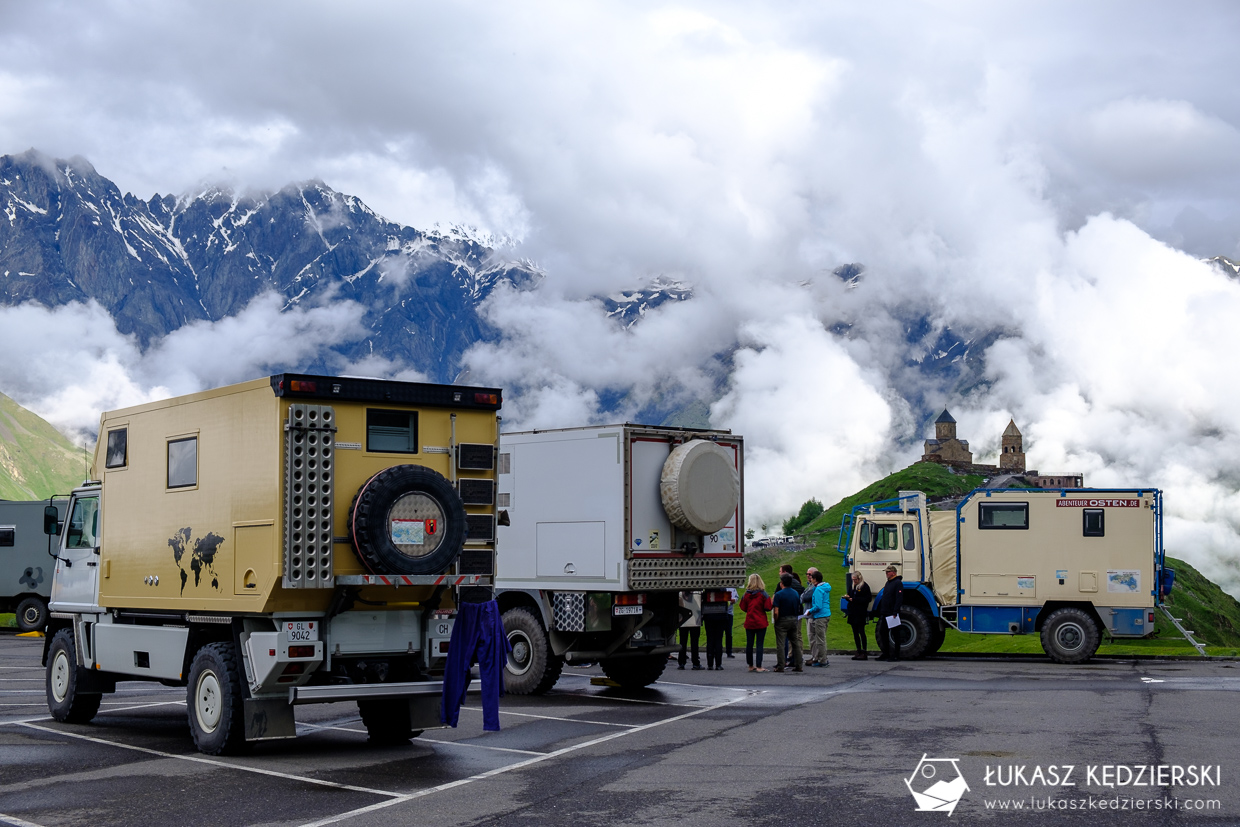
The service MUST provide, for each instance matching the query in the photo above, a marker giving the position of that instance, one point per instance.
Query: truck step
(1188, 633)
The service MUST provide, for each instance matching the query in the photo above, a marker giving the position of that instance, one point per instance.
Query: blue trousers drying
(477, 637)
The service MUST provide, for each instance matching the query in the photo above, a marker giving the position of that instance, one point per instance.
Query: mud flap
(269, 719)
(424, 711)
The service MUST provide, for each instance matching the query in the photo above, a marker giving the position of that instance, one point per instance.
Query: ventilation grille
(687, 575)
(505, 463)
(472, 456)
(477, 492)
(309, 468)
(568, 611)
(505, 499)
(480, 528)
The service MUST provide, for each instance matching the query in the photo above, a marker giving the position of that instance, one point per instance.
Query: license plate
(301, 630)
(715, 608)
(626, 610)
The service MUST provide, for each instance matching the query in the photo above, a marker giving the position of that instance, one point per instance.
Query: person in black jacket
(858, 615)
(889, 600)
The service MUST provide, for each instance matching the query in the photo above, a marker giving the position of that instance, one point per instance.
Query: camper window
(118, 448)
(1094, 523)
(908, 536)
(183, 462)
(392, 432)
(8, 535)
(1003, 515)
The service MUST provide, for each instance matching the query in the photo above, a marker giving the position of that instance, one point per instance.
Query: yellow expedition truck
(290, 540)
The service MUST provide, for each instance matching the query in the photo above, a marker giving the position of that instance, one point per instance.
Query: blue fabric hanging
(477, 637)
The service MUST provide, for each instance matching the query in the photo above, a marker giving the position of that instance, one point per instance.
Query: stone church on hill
(948, 449)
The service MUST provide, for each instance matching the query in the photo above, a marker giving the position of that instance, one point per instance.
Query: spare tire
(407, 520)
(700, 487)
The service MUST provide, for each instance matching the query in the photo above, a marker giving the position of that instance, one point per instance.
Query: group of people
(792, 602)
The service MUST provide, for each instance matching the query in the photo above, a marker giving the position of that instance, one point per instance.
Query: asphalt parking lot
(827, 746)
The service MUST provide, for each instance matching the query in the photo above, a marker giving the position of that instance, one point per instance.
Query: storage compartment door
(254, 558)
(571, 549)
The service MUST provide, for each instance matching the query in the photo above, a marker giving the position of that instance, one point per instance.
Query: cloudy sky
(1053, 171)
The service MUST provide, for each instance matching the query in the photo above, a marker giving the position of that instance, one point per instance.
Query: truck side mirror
(51, 520)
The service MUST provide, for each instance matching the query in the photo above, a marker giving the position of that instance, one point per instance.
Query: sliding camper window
(183, 462)
(1093, 522)
(8, 536)
(391, 432)
(1003, 515)
(118, 448)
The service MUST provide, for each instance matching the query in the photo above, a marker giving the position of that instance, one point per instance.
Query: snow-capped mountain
(69, 234)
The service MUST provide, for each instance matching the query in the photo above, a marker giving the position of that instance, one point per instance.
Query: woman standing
(858, 611)
(755, 604)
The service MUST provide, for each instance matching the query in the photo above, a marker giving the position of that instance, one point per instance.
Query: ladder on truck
(1188, 635)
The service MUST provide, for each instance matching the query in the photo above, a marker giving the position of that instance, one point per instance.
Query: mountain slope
(36, 460)
(69, 234)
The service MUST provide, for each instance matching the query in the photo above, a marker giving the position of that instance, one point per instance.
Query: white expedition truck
(26, 561)
(601, 529)
(1069, 564)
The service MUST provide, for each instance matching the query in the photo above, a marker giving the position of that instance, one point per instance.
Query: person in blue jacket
(819, 618)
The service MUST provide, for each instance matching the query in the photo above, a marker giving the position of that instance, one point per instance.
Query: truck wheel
(63, 700)
(31, 615)
(532, 668)
(387, 721)
(407, 520)
(914, 631)
(938, 634)
(214, 699)
(635, 673)
(1070, 636)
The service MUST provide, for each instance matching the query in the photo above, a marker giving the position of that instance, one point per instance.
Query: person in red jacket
(755, 603)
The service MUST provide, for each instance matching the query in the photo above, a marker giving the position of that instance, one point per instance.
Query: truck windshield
(885, 538)
(84, 524)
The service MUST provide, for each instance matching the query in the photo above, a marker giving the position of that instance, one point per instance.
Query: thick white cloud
(1018, 167)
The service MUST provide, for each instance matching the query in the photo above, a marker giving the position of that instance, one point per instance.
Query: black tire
(635, 672)
(63, 676)
(419, 495)
(914, 632)
(213, 701)
(1070, 636)
(32, 615)
(938, 634)
(387, 721)
(532, 668)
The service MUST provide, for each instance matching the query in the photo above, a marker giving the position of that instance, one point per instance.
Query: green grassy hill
(36, 460)
(1208, 611)
(937, 481)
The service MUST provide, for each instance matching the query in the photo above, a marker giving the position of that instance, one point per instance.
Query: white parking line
(198, 759)
(515, 766)
(16, 822)
(553, 718)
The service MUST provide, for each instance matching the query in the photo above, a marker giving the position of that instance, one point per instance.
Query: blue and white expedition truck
(1068, 564)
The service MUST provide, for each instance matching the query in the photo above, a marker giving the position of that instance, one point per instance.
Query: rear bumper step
(368, 691)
